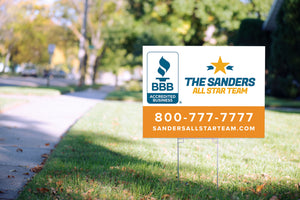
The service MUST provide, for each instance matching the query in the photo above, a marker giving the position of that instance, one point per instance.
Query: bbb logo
(162, 85)
(162, 77)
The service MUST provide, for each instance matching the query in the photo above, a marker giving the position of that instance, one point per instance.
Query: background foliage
(117, 30)
(284, 78)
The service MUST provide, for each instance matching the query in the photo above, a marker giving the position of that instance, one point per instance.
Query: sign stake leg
(217, 164)
(178, 159)
(179, 140)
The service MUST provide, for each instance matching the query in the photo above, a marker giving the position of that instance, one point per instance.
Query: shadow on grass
(79, 168)
(284, 110)
(275, 102)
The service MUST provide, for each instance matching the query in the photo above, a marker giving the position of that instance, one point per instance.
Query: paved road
(26, 131)
(34, 82)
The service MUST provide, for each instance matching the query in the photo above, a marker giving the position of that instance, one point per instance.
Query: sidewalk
(33, 129)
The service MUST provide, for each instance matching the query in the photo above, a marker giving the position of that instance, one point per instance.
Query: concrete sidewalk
(33, 129)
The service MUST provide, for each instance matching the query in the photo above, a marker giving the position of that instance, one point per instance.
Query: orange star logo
(220, 66)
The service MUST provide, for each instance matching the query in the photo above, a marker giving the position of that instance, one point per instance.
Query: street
(34, 82)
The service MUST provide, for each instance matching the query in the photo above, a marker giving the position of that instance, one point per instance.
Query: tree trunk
(83, 69)
(82, 50)
(95, 67)
(7, 57)
(90, 70)
(97, 63)
(117, 79)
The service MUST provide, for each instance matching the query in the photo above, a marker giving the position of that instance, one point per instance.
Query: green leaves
(183, 7)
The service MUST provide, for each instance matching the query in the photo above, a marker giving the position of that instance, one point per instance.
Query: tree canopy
(284, 75)
(117, 29)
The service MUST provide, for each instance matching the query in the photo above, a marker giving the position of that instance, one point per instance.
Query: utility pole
(51, 48)
(82, 51)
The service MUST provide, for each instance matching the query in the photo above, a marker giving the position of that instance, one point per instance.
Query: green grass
(7, 103)
(103, 156)
(277, 102)
(43, 90)
(124, 95)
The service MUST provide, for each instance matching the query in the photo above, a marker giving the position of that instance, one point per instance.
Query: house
(270, 23)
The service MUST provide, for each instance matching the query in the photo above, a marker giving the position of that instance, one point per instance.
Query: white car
(29, 71)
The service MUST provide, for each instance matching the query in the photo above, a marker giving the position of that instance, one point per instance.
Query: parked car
(58, 74)
(55, 73)
(29, 70)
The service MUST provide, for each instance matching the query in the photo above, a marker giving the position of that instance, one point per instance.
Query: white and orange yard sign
(203, 92)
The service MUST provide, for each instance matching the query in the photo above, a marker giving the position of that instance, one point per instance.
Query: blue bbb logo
(162, 84)
(162, 70)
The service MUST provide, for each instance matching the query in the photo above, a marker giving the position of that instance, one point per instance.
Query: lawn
(103, 156)
(277, 102)
(138, 96)
(43, 90)
(131, 91)
(123, 95)
(7, 103)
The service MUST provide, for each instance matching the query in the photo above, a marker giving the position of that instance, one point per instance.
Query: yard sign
(203, 92)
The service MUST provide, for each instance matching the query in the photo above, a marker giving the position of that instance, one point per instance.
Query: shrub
(284, 60)
(251, 34)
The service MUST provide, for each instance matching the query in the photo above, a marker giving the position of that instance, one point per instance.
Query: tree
(102, 14)
(259, 9)
(284, 78)
(30, 41)
(251, 34)
(123, 27)
(25, 36)
(196, 22)
(7, 15)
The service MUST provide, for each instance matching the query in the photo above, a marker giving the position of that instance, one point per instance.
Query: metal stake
(217, 164)
(178, 159)
(178, 141)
